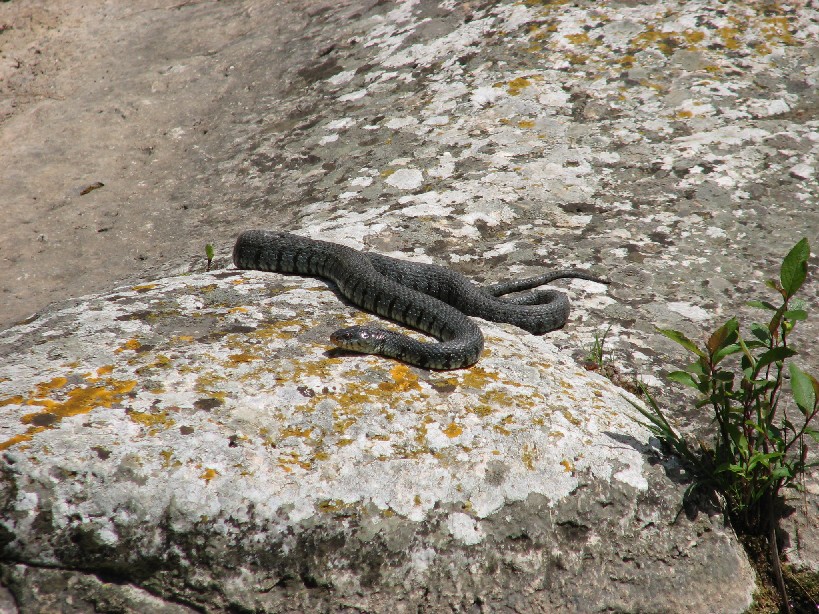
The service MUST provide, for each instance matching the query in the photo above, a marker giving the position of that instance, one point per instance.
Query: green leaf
(802, 388)
(209, 251)
(681, 377)
(727, 351)
(795, 314)
(812, 433)
(795, 268)
(761, 305)
(680, 338)
(761, 332)
(776, 354)
(723, 336)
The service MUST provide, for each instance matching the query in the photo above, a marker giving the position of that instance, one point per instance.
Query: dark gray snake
(427, 297)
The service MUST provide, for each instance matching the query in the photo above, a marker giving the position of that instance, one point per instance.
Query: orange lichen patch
(184, 338)
(27, 436)
(131, 344)
(144, 287)
(209, 474)
(105, 370)
(44, 388)
(404, 380)
(102, 392)
(238, 310)
(15, 400)
(452, 431)
(567, 465)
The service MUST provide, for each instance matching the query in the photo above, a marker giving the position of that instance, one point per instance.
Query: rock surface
(672, 145)
(194, 436)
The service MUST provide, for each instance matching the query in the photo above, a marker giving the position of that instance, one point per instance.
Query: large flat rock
(197, 437)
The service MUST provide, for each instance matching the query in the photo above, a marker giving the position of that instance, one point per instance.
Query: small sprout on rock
(209, 254)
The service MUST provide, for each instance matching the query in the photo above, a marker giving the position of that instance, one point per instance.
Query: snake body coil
(430, 298)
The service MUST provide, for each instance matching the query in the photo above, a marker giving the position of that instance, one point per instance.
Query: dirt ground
(132, 98)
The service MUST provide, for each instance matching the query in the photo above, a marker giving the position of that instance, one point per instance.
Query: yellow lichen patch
(15, 400)
(778, 28)
(567, 465)
(155, 421)
(403, 380)
(526, 124)
(238, 310)
(105, 370)
(209, 474)
(132, 345)
(581, 38)
(143, 288)
(387, 172)
(333, 506)
(666, 42)
(515, 86)
(167, 459)
(570, 418)
(478, 377)
(78, 400)
(453, 430)
(693, 37)
(276, 330)
(293, 458)
(160, 362)
(685, 114)
(183, 338)
(341, 426)
(293, 431)
(45, 388)
(528, 456)
(729, 37)
(481, 410)
(243, 357)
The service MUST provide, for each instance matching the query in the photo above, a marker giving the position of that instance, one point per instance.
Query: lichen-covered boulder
(198, 437)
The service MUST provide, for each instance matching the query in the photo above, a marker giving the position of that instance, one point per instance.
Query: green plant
(597, 353)
(209, 254)
(758, 447)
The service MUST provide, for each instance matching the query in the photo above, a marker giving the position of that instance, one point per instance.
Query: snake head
(363, 339)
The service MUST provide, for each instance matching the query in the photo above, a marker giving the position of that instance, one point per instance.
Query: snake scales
(426, 297)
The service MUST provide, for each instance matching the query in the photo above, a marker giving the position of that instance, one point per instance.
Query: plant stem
(773, 551)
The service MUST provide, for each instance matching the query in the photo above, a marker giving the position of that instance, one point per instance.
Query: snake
(426, 297)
